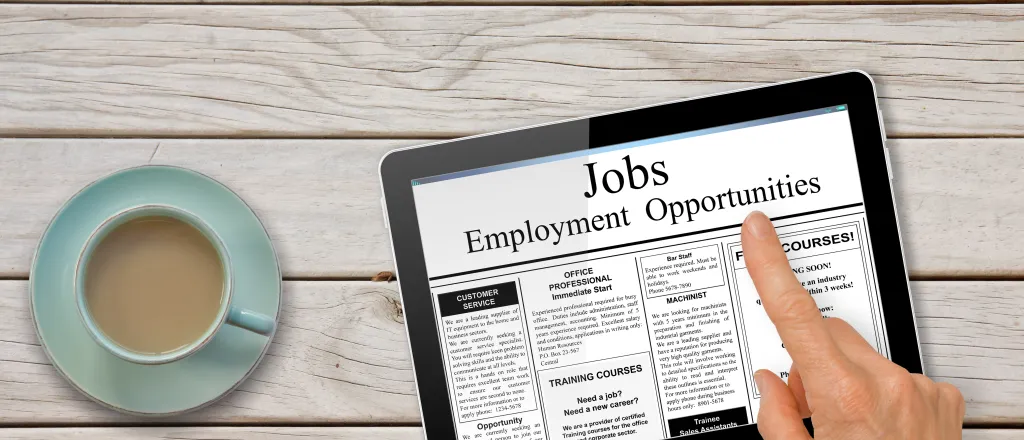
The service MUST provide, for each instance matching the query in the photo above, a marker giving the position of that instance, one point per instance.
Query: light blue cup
(228, 313)
(197, 380)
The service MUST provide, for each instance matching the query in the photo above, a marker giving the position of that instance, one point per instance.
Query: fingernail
(759, 379)
(758, 224)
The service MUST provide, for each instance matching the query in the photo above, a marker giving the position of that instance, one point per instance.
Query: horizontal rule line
(651, 240)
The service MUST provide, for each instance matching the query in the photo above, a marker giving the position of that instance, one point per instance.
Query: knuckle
(929, 389)
(952, 395)
(792, 305)
(906, 395)
(902, 385)
(854, 397)
(902, 389)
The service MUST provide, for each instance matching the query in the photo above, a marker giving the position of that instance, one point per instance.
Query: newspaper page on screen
(604, 293)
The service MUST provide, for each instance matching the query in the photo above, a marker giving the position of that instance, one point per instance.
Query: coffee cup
(154, 284)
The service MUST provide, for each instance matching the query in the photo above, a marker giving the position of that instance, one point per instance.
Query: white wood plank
(959, 206)
(972, 336)
(512, 2)
(290, 433)
(320, 199)
(340, 356)
(442, 71)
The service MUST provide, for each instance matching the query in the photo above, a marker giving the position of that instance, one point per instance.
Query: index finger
(787, 303)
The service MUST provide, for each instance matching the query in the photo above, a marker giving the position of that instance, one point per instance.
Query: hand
(838, 380)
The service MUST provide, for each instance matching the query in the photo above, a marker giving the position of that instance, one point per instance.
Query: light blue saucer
(179, 386)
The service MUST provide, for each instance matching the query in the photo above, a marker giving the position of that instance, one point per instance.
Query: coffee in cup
(154, 284)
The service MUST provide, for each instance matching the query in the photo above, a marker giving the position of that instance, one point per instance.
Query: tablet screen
(603, 293)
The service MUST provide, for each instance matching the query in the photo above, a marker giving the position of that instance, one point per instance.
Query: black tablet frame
(853, 88)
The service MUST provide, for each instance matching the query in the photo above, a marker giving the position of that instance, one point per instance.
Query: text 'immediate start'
(583, 281)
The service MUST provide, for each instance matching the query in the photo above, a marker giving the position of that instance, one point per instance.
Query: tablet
(584, 279)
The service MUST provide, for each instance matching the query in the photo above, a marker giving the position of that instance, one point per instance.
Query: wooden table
(292, 105)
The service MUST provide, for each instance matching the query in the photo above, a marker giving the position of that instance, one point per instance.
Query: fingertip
(773, 389)
(754, 213)
(765, 381)
(779, 416)
(759, 378)
(758, 225)
(760, 241)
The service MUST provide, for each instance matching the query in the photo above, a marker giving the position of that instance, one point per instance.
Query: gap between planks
(382, 277)
(201, 424)
(500, 3)
(942, 278)
(966, 426)
(257, 433)
(427, 137)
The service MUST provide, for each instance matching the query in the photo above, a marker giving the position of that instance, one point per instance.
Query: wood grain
(494, 3)
(290, 433)
(340, 356)
(959, 211)
(320, 199)
(386, 72)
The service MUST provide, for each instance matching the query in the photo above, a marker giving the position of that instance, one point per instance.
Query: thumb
(779, 416)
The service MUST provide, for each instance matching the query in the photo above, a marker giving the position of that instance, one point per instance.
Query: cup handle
(255, 322)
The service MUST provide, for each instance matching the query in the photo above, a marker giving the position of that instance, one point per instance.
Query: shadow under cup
(225, 312)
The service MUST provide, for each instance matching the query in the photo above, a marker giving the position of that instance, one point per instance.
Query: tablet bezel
(854, 89)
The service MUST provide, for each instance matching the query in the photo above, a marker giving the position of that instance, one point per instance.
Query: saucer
(179, 386)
